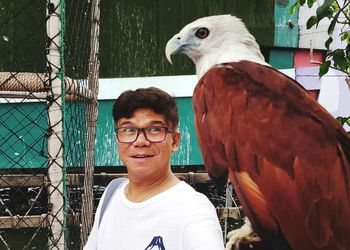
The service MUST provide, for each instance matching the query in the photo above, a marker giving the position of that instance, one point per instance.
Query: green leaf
(339, 59)
(348, 121)
(330, 14)
(332, 25)
(343, 120)
(292, 9)
(324, 10)
(335, 6)
(311, 22)
(324, 68)
(328, 42)
(338, 53)
(344, 36)
(347, 52)
(310, 3)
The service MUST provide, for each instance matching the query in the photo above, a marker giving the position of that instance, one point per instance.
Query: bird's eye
(202, 33)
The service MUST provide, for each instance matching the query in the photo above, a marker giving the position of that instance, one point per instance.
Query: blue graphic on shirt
(156, 244)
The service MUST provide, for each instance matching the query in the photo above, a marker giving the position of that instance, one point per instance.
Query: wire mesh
(35, 55)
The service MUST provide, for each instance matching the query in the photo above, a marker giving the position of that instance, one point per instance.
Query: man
(154, 209)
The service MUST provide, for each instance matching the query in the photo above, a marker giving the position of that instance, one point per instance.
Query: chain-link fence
(48, 109)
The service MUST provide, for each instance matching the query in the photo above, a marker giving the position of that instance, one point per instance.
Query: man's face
(144, 158)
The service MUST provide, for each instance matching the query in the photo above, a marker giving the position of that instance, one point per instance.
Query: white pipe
(55, 139)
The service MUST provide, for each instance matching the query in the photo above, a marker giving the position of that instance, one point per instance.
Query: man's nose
(141, 139)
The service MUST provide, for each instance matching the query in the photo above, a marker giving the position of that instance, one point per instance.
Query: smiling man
(153, 209)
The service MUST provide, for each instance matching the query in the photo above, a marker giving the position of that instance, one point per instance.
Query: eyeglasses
(152, 134)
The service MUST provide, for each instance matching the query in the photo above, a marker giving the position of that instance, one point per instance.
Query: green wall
(22, 35)
(134, 33)
(282, 58)
(22, 134)
(286, 35)
(23, 129)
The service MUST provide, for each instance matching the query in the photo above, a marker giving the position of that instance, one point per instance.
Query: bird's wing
(287, 157)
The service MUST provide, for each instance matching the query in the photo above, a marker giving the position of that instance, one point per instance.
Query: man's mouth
(141, 156)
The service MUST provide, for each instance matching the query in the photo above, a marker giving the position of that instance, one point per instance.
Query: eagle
(286, 156)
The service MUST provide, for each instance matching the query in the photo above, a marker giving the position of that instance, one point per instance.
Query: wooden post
(55, 122)
(92, 110)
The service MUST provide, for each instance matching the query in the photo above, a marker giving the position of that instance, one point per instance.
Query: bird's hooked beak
(173, 47)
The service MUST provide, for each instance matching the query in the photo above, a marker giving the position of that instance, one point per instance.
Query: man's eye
(154, 129)
(127, 130)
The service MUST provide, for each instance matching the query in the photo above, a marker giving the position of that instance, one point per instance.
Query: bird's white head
(213, 40)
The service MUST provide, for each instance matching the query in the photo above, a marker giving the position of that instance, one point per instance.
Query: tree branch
(341, 9)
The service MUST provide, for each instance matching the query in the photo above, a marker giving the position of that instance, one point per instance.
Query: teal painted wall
(106, 148)
(22, 135)
(282, 58)
(285, 36)
(26, 146)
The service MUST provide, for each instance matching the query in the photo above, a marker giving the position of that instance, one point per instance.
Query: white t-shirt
(178, 219)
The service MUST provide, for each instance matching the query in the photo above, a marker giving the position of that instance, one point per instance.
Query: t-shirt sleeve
(202, 229)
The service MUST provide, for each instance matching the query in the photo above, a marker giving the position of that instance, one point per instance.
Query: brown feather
(287, 158)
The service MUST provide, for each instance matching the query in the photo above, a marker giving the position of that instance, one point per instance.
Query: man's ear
(176, 141)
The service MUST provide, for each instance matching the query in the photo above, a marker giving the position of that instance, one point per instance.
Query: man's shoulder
(185, 192)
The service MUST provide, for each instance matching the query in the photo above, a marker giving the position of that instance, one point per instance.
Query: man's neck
(139, 192)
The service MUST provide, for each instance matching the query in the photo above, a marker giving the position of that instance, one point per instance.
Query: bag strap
(112, 187)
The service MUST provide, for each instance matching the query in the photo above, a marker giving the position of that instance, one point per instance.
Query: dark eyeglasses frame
(167, 130)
